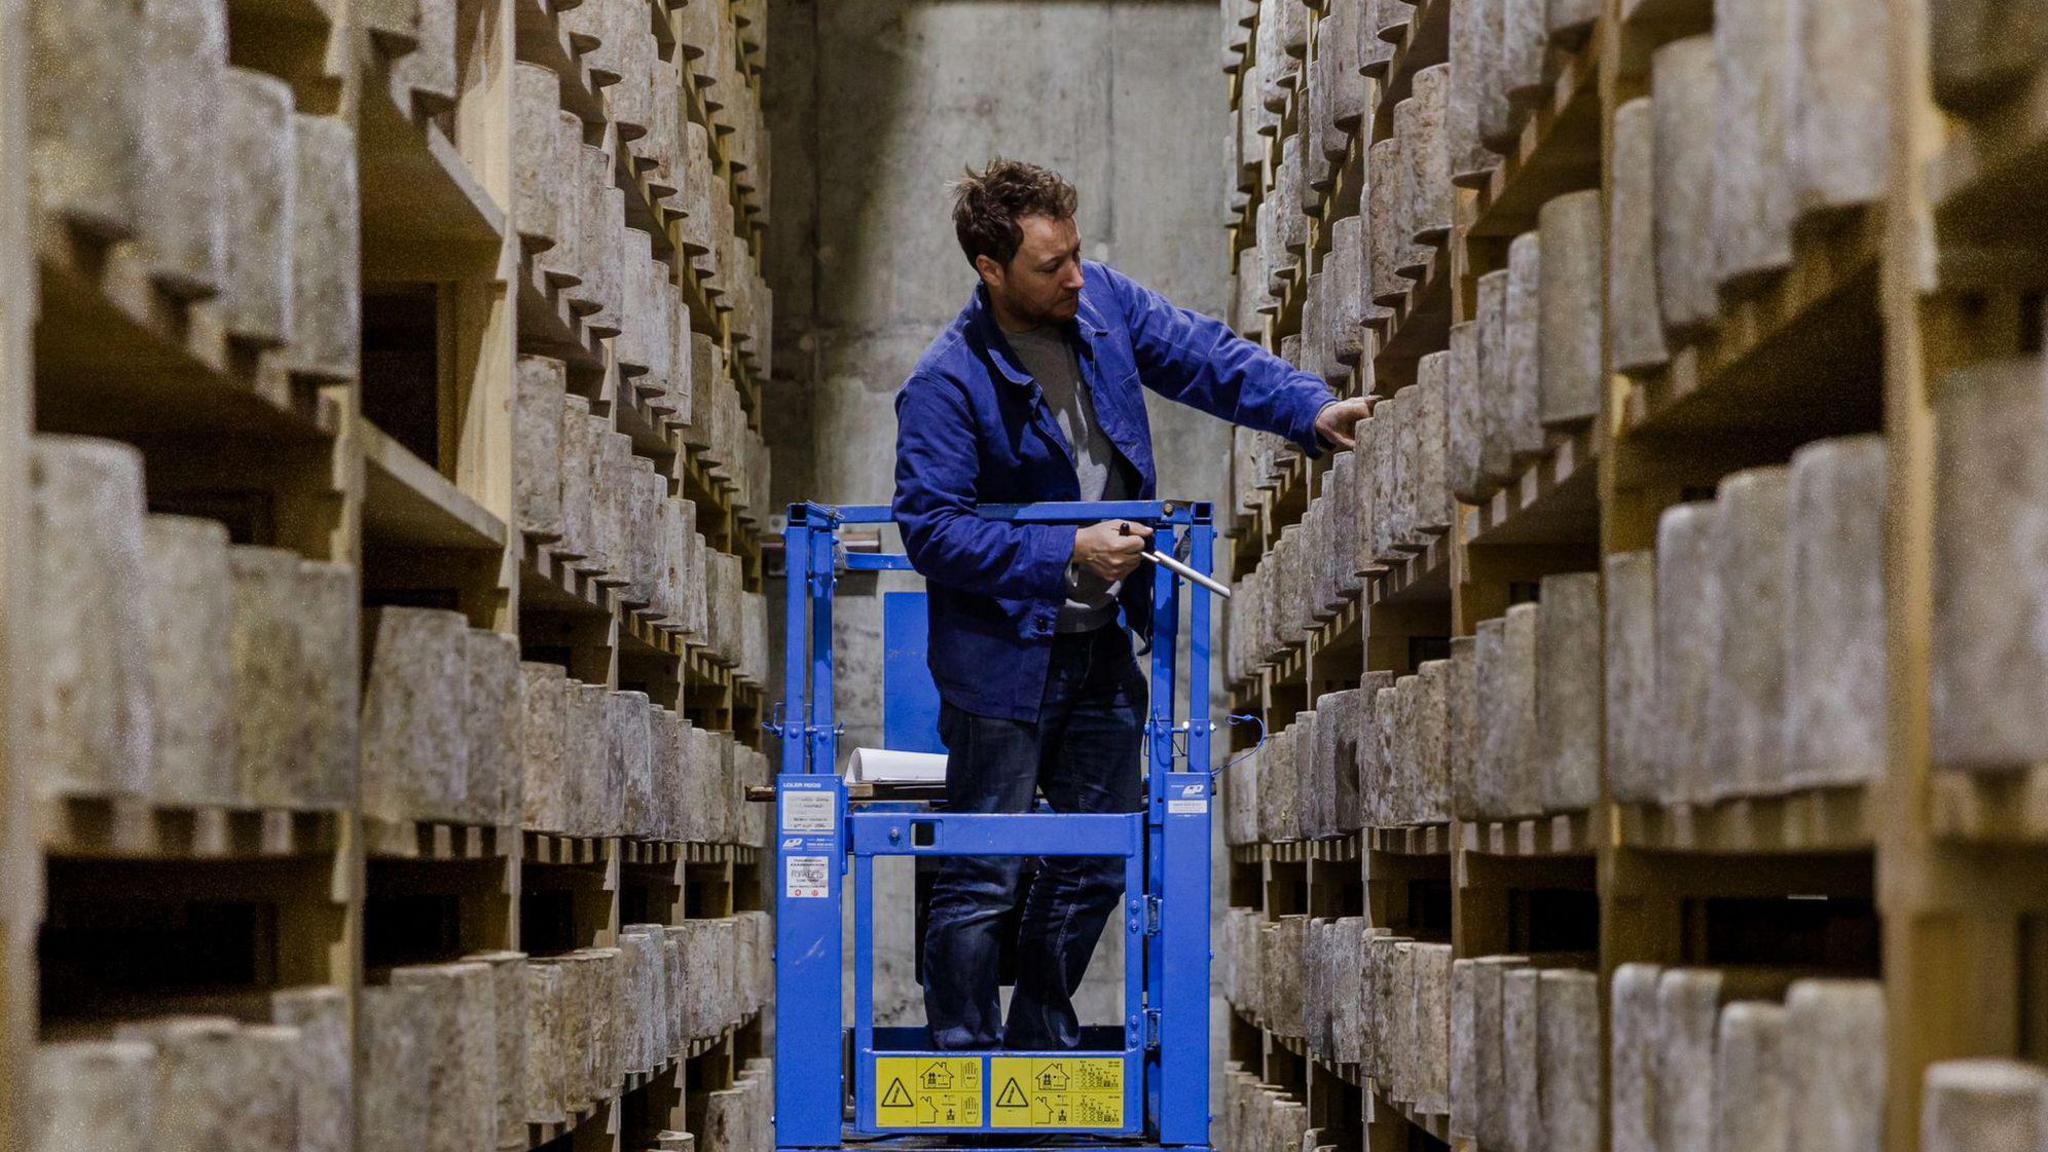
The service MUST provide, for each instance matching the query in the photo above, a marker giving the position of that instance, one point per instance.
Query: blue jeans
(1082, 753)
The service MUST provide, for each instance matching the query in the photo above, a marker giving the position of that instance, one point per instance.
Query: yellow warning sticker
(927, 1092)
(1074, 1092)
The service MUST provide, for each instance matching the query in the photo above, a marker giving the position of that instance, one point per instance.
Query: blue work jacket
(972, 427)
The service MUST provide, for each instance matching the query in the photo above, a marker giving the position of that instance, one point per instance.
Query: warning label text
(927, 1092)
(1073, 1092)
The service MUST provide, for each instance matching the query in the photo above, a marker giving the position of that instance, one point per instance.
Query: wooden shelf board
(1343, 198)
(1825, 820)
(548, 584)
(305, 13)
(1653, 23)
(652, 433)
(1335, 850)
(434, 840)
(548, 848)
(649, 639)
(701, 668)
(1555, 500)
(1421, 324)
(539, 1134)
(114, 354)
(547, 326)
(1558, 152)
(292, 40)
(1423, 576)
(131, 828)
(406, 502)
(1288, 852)
(697, 852)
(1437, 1124)
(643, 210)
(1419, 840)
(1801, 350)
(1563, 834)
(1986, 184)
(651, 853)
(2007, 808)
(540, 39)
(1425, 41)
(425, 215)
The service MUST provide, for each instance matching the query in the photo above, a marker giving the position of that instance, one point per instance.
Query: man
(1032, 394)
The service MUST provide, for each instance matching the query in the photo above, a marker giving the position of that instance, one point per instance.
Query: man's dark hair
(987, 205)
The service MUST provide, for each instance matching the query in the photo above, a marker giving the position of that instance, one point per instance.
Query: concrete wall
(875, 105)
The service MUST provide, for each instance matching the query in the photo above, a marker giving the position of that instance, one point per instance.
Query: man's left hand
(1337, 423)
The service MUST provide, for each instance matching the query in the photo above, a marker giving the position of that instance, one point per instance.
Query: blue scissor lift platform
(1144, 1084)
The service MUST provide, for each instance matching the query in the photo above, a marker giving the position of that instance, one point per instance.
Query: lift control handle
(1176, 567)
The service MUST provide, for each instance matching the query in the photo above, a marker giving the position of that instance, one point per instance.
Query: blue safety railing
(1159, 1057)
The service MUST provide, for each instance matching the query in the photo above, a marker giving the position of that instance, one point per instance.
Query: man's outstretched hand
(1337, 423)
(1112, 548)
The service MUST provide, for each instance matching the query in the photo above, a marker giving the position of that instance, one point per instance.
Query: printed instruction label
(807, 877)
(1186, 807)
(1072, 1092)
(928, 1092)
(807, 811)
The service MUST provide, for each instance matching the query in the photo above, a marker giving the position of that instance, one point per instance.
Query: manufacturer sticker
(807, 877)
(1186, 807)
(928, 1092)
(807, 811)
(1075, 1092)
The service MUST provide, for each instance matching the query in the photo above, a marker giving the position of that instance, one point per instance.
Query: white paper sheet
(883, 766)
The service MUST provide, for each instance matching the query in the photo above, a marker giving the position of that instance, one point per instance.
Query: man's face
(1042, 283)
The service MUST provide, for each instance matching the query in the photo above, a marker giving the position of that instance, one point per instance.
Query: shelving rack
(1935, 876)
(402, 470)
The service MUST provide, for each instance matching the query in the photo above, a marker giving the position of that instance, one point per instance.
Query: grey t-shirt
(1049, 356)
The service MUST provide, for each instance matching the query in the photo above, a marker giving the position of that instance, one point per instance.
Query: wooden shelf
(653, 640)
(1423, 576)
(1437, 1124)
(539, 1134)
(130, 828)
(426, 217)
(1819, 820)
(652, 436)
(1344, 197)
(1420, 840)
(545, 848)
(1558, 152)
(116, 355)
(406, 502)
(1986, 184)
(1421, 324)
(548, 584)
(1801, 352)
(651, 853)
(226, 429)
(1335, 850)
(1556, 498)
(742, 854)
(541, 40)
(435, 840)
(1991, 808)
(1564, 834)
(643, 210)
(1426, 41)
(547, 325)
